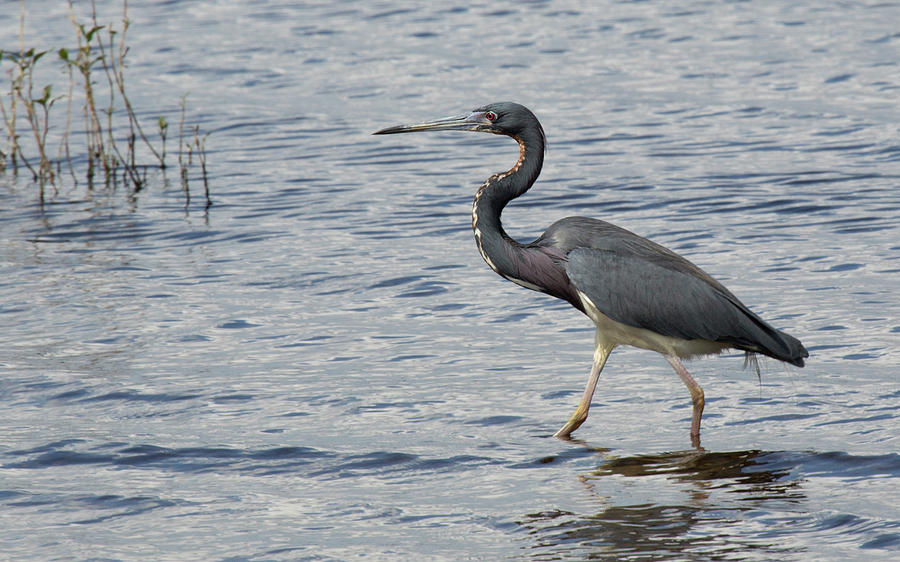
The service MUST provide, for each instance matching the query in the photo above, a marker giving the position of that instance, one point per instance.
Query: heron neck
(496, 247)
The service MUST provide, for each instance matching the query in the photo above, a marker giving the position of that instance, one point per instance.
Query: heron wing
(654, 293)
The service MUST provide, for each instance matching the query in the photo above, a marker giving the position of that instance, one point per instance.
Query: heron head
(502, 118)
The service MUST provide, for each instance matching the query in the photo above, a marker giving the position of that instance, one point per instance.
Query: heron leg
(601, 353)
(696, 397)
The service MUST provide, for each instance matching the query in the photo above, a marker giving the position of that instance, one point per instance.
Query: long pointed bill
(475, 121)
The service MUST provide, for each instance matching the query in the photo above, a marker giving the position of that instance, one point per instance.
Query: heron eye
(490, 116)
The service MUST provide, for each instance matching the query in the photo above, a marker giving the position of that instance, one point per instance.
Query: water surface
(320, 366)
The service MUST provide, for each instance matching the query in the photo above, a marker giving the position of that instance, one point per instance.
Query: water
(321, 367)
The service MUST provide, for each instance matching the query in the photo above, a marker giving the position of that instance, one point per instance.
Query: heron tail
(793, 352)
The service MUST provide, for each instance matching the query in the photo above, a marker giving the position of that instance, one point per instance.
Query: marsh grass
(115, 151)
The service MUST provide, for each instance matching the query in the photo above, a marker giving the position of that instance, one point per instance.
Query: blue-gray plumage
(637, 292)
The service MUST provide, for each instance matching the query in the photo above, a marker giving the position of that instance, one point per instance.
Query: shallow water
(320, 366)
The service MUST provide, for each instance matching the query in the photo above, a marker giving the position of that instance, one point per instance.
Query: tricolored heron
(637, 292)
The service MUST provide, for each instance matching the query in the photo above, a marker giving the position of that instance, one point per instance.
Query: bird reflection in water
(701, 517)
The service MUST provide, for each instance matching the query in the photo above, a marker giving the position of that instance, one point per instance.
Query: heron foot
(574, 423)
(695, 441)
(581, 412)
(697, 398)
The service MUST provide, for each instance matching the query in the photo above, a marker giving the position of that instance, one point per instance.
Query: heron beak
(475, 121)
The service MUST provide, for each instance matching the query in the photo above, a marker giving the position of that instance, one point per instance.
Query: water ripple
(320, 366)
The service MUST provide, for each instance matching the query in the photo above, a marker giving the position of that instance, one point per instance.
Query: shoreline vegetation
(104, 144)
